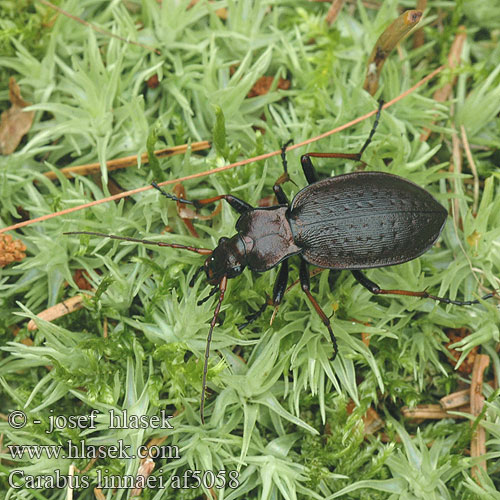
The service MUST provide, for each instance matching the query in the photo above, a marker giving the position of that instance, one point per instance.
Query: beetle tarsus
(374, 127)
(445, 300)
(239, 205)
(283, 155)
(250, 318)
(376, 290)
(308, 167)
(171, 196)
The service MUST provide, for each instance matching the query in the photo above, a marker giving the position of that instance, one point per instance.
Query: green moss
(276, 407)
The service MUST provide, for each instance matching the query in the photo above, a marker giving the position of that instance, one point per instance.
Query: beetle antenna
(212, 292)
(201, 251)
(222, 286)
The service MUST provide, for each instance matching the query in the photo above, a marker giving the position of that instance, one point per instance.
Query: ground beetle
(353, 221)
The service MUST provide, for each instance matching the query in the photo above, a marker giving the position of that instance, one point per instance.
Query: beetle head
(227, 259)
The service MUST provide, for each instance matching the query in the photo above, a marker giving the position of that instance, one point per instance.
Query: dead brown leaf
(81, 278)
(263, 85)
(15, 122)
(456, 335)
(186, 212)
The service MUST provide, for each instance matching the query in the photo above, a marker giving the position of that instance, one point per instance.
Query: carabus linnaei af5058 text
(354, 221)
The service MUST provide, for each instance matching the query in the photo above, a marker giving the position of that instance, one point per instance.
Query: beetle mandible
(353, 221)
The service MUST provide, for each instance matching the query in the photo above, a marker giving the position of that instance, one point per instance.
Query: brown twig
(478, 442)
(455, 400)
(473, 169)
(334, 11)
(455, 168)
(443, 93)
(426, 412)
(66, 307)
(126, 161)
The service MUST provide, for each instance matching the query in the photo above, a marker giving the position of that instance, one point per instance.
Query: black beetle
(353, 221)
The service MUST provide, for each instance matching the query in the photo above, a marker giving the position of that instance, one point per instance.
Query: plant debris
(11, 250)
(15, 122)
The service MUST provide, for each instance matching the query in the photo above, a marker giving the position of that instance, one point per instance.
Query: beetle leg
(375, 125)
(309, 170)
(255, 315)
(195, 275)
(280, 284)
(307, 166)
(304, 283)
(222, 288)
(239, 205)
(279, 288)
(376, 290)
(278, 293)
(283, 156)
(211, 293)
(278, 191)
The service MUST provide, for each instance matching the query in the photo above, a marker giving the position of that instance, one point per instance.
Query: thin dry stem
(97, 28)
(61, 309)
(334, 11)
(126, 161)
(225, 167)
(456, 166)
(473, 169)
(434, 412)
(443, 93)
(478, 442)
